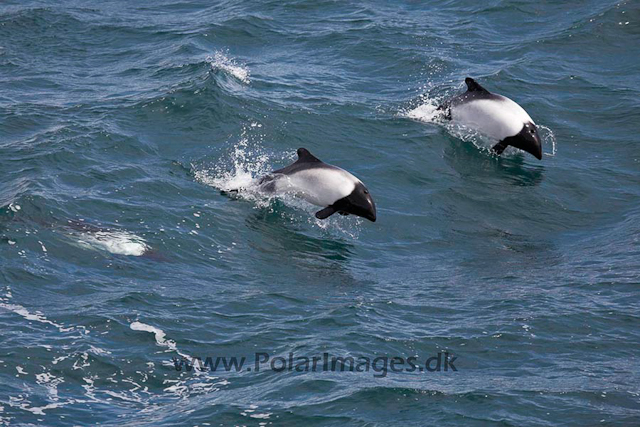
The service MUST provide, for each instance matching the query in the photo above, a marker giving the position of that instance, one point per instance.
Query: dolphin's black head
(527, 139)
(359, 203)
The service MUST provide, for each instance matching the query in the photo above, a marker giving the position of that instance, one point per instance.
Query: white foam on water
(158, 333)
(117, 242)
(89, 387)
(264, 416)
(36, 317)
(221, 61)
(178, 389)
(82, 362)
(205, 383)
(98, 351)
(50, 382)
(40, 409)
(160, 336)
(22, 403)
(251, 413)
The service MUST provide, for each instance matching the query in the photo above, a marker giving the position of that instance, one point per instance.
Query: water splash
(117, 242)
(548, 139)
(221, 61)
(426, 112)
(239, 172)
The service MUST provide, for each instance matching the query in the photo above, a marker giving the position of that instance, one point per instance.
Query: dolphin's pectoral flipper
(473, 86)
(326, 212)
(500, 147)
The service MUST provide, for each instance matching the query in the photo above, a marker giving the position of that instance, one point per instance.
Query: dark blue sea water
(121, 122)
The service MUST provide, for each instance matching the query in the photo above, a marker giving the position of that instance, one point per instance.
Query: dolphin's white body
(319, 186)
(497, 118)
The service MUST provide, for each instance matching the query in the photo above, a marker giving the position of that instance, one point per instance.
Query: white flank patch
(318, 186)
(497, 119)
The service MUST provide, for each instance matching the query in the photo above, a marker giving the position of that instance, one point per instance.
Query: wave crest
(230, 66)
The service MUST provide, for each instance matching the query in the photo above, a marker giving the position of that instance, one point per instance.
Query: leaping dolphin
(495, 116)
(321, 184)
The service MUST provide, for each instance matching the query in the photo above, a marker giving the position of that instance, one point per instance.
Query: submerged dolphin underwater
(495, 116)
(322, 184)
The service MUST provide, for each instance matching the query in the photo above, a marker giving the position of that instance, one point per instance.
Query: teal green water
(120, 122)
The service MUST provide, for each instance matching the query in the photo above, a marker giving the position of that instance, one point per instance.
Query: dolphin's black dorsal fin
(304, 156)
(473, 86)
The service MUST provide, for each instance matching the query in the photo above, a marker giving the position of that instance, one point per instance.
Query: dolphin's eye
(366, 191)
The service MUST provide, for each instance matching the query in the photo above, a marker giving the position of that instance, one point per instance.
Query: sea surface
(124, 258)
